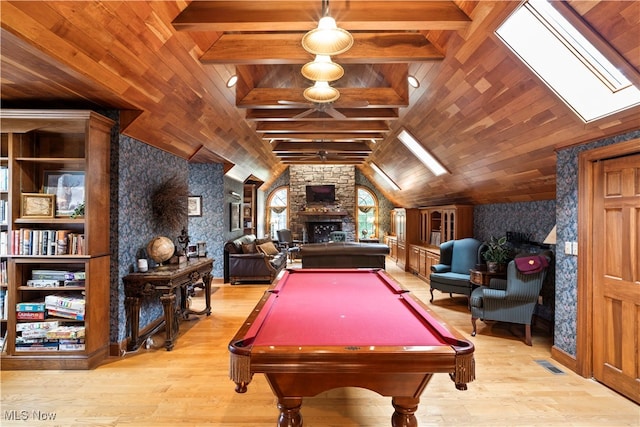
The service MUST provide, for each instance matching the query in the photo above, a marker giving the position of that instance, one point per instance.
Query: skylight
(384, 176)
(423, 155)
(567, 61)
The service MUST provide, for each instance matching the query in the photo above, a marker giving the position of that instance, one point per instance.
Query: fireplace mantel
(322, 213)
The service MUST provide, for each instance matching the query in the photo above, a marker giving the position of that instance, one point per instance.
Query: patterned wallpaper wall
(535, 219)
(567, 222)
(207, 180)
(139, 170)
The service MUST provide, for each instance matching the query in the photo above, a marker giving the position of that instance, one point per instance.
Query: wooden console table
(165, 281)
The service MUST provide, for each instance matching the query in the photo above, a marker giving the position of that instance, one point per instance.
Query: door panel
(616, 275)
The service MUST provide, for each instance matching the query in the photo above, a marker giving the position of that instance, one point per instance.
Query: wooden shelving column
(44, 141)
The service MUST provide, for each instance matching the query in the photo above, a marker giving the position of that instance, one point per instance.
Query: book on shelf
(75, 304)
(74, 283)
(65, 314)
(4, 178)
(3, 303)
(71, 346)
(66, 332)
(75, 275)
(4, 243)
(30, 306)
(4, 272)
(30, 315)
(43, 283)
(40, 327)
(58, 275)
(43, 346)
(26, 241)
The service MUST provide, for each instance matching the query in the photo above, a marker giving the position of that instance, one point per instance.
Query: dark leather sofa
(251, 267)
(344, 255)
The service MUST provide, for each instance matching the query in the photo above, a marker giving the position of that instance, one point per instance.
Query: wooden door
(616, 275)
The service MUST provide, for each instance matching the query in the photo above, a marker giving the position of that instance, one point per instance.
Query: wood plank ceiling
(165, 65)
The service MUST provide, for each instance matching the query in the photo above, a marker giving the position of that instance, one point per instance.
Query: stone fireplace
(318, 232)
(306, 219)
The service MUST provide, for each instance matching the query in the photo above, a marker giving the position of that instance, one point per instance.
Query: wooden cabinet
(392, 242)
(421, 260)
(439, 224)
(248, 209)
(64, 153)
(406, 229)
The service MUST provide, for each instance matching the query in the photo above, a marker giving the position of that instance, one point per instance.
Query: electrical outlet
(540, 299)
(567, 248)
(574, 248)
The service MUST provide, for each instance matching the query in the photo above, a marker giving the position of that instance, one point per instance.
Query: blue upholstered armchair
(511, 300)
(451, 274)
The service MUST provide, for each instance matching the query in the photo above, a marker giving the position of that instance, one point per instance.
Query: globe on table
(160, 249)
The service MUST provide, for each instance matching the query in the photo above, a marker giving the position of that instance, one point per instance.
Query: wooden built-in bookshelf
(39, 147)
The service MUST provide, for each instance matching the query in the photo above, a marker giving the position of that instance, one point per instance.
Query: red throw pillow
(531, 264)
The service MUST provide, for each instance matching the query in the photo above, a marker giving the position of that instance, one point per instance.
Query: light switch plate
(574, 248)
(567, 248)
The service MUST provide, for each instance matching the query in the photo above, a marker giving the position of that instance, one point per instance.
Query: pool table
(319, 329)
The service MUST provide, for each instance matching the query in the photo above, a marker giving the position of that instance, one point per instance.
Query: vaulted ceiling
(165, 65)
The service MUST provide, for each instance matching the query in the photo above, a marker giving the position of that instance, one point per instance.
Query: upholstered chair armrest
(498, 284)
(488, 293)
(440, 268)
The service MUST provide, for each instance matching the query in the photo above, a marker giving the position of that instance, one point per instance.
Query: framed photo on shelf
(234, 216)
(194, 206)
(37, 205)
(68, 188)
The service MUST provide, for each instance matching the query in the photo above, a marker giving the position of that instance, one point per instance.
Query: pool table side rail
(246, 359)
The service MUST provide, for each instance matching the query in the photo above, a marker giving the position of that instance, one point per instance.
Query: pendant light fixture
(327, 39)
(322, 69)
(321, 93)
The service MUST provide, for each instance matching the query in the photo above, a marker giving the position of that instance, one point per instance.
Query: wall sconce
(234, 194)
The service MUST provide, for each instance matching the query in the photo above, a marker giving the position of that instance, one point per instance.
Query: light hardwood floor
(189, 386)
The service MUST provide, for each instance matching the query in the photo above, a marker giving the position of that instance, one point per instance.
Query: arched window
(277, 211)
(367, 226)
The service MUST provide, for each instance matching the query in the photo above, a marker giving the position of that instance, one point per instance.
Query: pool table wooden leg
(289, 412)
(405, 409)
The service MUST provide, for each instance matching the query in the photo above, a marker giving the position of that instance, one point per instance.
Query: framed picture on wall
(68, 187)
(234, 216)
(194, 206)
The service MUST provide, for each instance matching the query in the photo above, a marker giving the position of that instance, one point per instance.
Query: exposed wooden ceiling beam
(234, 16)
(274, 115)
(374, 96)
(312, 147)
(326, 136)
(274, 48)
(320, 161)
(350, 156)
(334, 126)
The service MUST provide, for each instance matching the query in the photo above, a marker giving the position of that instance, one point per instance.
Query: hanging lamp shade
(327, 39)
(321, 93)
(322, 69)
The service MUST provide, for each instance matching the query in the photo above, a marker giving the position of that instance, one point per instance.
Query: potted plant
(497, 254)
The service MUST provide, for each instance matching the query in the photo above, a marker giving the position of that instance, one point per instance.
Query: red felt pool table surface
(318, 329)
(343, 308)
